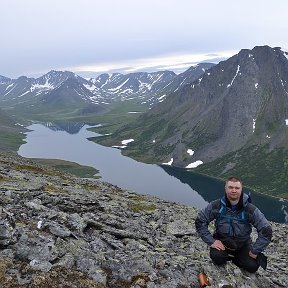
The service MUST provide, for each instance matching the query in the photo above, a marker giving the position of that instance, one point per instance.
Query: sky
(90, 37)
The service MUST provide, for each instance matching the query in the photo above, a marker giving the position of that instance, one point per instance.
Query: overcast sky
(89, 37)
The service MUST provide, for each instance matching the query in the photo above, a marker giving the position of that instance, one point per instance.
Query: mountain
(150, 88)
(60, 92)
(233, 118)
(55, 92)
(4, 80)
(187, 77)
(134, 85)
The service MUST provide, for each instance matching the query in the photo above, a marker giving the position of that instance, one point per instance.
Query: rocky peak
(4, 80)
(244, 96)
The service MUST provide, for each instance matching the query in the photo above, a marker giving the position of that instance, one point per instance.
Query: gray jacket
(232, 227)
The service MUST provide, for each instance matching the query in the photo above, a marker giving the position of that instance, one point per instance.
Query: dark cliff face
(245, 101)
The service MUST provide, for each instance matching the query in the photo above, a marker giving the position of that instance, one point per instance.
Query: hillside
(10, 131)
(232, 120)
(58, 230)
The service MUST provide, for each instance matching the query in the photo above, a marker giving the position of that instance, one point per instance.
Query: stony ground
(57, 230)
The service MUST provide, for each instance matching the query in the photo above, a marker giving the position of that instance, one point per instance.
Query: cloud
(179, 62)
(95, 36)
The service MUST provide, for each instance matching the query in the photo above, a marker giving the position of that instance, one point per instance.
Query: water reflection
(70, 127)
(211, 189)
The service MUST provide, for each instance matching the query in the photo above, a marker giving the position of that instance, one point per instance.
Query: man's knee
(219, 257)
(247, 264)
(251, 267)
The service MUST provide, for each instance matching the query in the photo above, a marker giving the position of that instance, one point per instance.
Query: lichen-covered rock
(58, 230)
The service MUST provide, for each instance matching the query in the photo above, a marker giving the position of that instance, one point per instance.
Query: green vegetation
(11, 134)
(264, 171)
(51, 189)
(138, 203)
(141, 207)
(31, 168)
(60, 165)
(116, 118)
(10, 140)
(70, 167)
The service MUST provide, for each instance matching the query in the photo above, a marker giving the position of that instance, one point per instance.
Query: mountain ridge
(147, 88)
(239, 104)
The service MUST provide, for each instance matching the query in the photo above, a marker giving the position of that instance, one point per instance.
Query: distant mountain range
(64, 92)
(229, 118)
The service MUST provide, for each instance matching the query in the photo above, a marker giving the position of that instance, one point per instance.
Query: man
(235, 215)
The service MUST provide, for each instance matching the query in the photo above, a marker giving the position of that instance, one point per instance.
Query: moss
(31, 168)
(142, 207)
(137, 197)
(3, 178)
(68, 166)
(62, 277)
(54, 190)
(6, 279)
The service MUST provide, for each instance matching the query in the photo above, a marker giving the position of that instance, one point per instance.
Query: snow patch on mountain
(253, 125)
(161, 98)
(45, 86)
(11, 85)
(194, 164)
(119, 87)
(190, 152)
(125, 142)
(231, 83)
(91, 88)
(169, 163)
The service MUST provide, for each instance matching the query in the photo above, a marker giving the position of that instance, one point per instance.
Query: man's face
(233, 190)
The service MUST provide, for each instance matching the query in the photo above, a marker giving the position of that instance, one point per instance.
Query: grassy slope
(10, 134)
(262, 170)
(10, 140)
(70, 167)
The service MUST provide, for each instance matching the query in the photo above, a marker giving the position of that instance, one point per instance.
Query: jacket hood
(246, 199)
(243, 201)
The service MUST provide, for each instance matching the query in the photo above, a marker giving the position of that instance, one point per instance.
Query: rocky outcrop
(58, 230)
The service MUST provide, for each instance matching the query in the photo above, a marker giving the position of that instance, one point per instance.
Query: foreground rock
(58, 230)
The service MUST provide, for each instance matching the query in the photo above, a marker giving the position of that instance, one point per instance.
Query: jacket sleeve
(204, 217)
(264, 231)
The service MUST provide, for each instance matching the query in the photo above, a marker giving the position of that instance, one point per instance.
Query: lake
(69, 142)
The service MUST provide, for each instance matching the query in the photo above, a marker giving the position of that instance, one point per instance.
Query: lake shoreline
(165, 182)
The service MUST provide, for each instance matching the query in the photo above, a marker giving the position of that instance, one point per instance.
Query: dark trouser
(239, 257)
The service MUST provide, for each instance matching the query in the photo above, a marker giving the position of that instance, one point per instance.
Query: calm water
(165, 182)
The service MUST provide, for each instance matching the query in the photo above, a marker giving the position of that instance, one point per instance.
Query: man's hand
(218, 245)
(254, 256)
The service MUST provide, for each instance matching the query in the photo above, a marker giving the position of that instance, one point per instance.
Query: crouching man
(234, 217)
